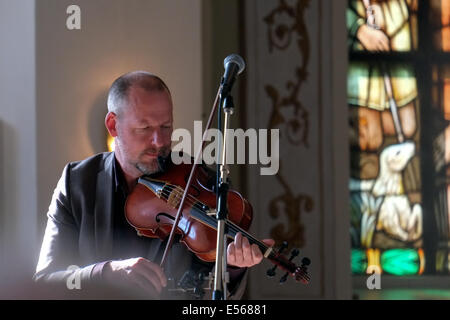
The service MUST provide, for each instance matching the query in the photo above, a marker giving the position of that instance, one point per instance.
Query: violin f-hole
(164, 215)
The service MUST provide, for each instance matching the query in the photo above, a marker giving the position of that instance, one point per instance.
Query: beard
(144, 166)
(154, 165)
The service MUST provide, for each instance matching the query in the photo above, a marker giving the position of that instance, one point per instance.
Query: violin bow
(188, 184)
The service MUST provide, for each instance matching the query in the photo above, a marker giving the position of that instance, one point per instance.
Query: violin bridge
(175, 196)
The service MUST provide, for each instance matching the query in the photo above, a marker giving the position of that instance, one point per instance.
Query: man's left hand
(241, 254)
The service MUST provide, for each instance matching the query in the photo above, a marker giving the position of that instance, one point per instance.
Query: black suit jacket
(79, 232)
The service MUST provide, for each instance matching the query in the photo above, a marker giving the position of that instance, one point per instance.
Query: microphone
(234, 65)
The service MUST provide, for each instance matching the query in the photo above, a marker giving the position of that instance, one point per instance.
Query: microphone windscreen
(237, 59)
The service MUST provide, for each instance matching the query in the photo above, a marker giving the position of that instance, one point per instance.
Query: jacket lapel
(104, 209)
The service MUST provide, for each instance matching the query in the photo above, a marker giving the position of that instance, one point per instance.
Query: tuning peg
(283, 246)
(271, 272)
(294, 253)
(284, 278)
(301, 274)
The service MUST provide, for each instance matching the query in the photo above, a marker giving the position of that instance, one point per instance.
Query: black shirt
(128, 244)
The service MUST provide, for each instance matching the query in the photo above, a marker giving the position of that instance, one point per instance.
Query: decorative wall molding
(287, 90)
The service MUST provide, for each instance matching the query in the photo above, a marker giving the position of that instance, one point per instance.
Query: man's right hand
(136, 272)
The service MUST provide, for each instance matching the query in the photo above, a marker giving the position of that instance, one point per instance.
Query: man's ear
(110, 123)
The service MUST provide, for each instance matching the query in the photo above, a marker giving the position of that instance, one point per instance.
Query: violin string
(235, 228)
(191, 200)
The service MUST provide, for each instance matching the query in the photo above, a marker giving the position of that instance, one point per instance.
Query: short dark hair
(118, 92)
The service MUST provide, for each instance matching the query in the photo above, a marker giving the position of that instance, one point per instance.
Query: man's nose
(156, 138)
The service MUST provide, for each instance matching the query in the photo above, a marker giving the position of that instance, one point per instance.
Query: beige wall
(222, 36)
(53, 86)
(75, 69)
(18, 191)
(306, 202)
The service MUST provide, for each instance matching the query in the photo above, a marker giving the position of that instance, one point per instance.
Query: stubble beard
(145, 168)
(152, 167)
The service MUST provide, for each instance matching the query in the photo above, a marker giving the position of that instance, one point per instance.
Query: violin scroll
(300, 273)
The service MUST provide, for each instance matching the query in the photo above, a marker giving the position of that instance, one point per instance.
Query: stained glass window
(440, 21)
(399, 109)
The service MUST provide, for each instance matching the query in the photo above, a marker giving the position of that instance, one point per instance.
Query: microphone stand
(221, 276)
(234, 65)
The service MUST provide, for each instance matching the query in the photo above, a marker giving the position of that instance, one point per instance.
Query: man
(86, 223)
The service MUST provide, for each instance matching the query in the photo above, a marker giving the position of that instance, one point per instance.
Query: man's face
(144, 130)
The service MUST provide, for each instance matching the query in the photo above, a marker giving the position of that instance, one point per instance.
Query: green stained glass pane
(400, 262)
(359, 261)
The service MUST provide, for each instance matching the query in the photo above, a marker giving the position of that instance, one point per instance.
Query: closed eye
(142, 130)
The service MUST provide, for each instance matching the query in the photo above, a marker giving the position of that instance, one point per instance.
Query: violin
(152, 206)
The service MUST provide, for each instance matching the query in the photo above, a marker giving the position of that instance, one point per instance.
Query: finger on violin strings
(247, 254)
(238, 240)
(256, 253)
(246, 249)
(238, 252)
(269, 242)
(231, 253)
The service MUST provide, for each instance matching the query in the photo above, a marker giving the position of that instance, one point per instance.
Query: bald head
(118, 93)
